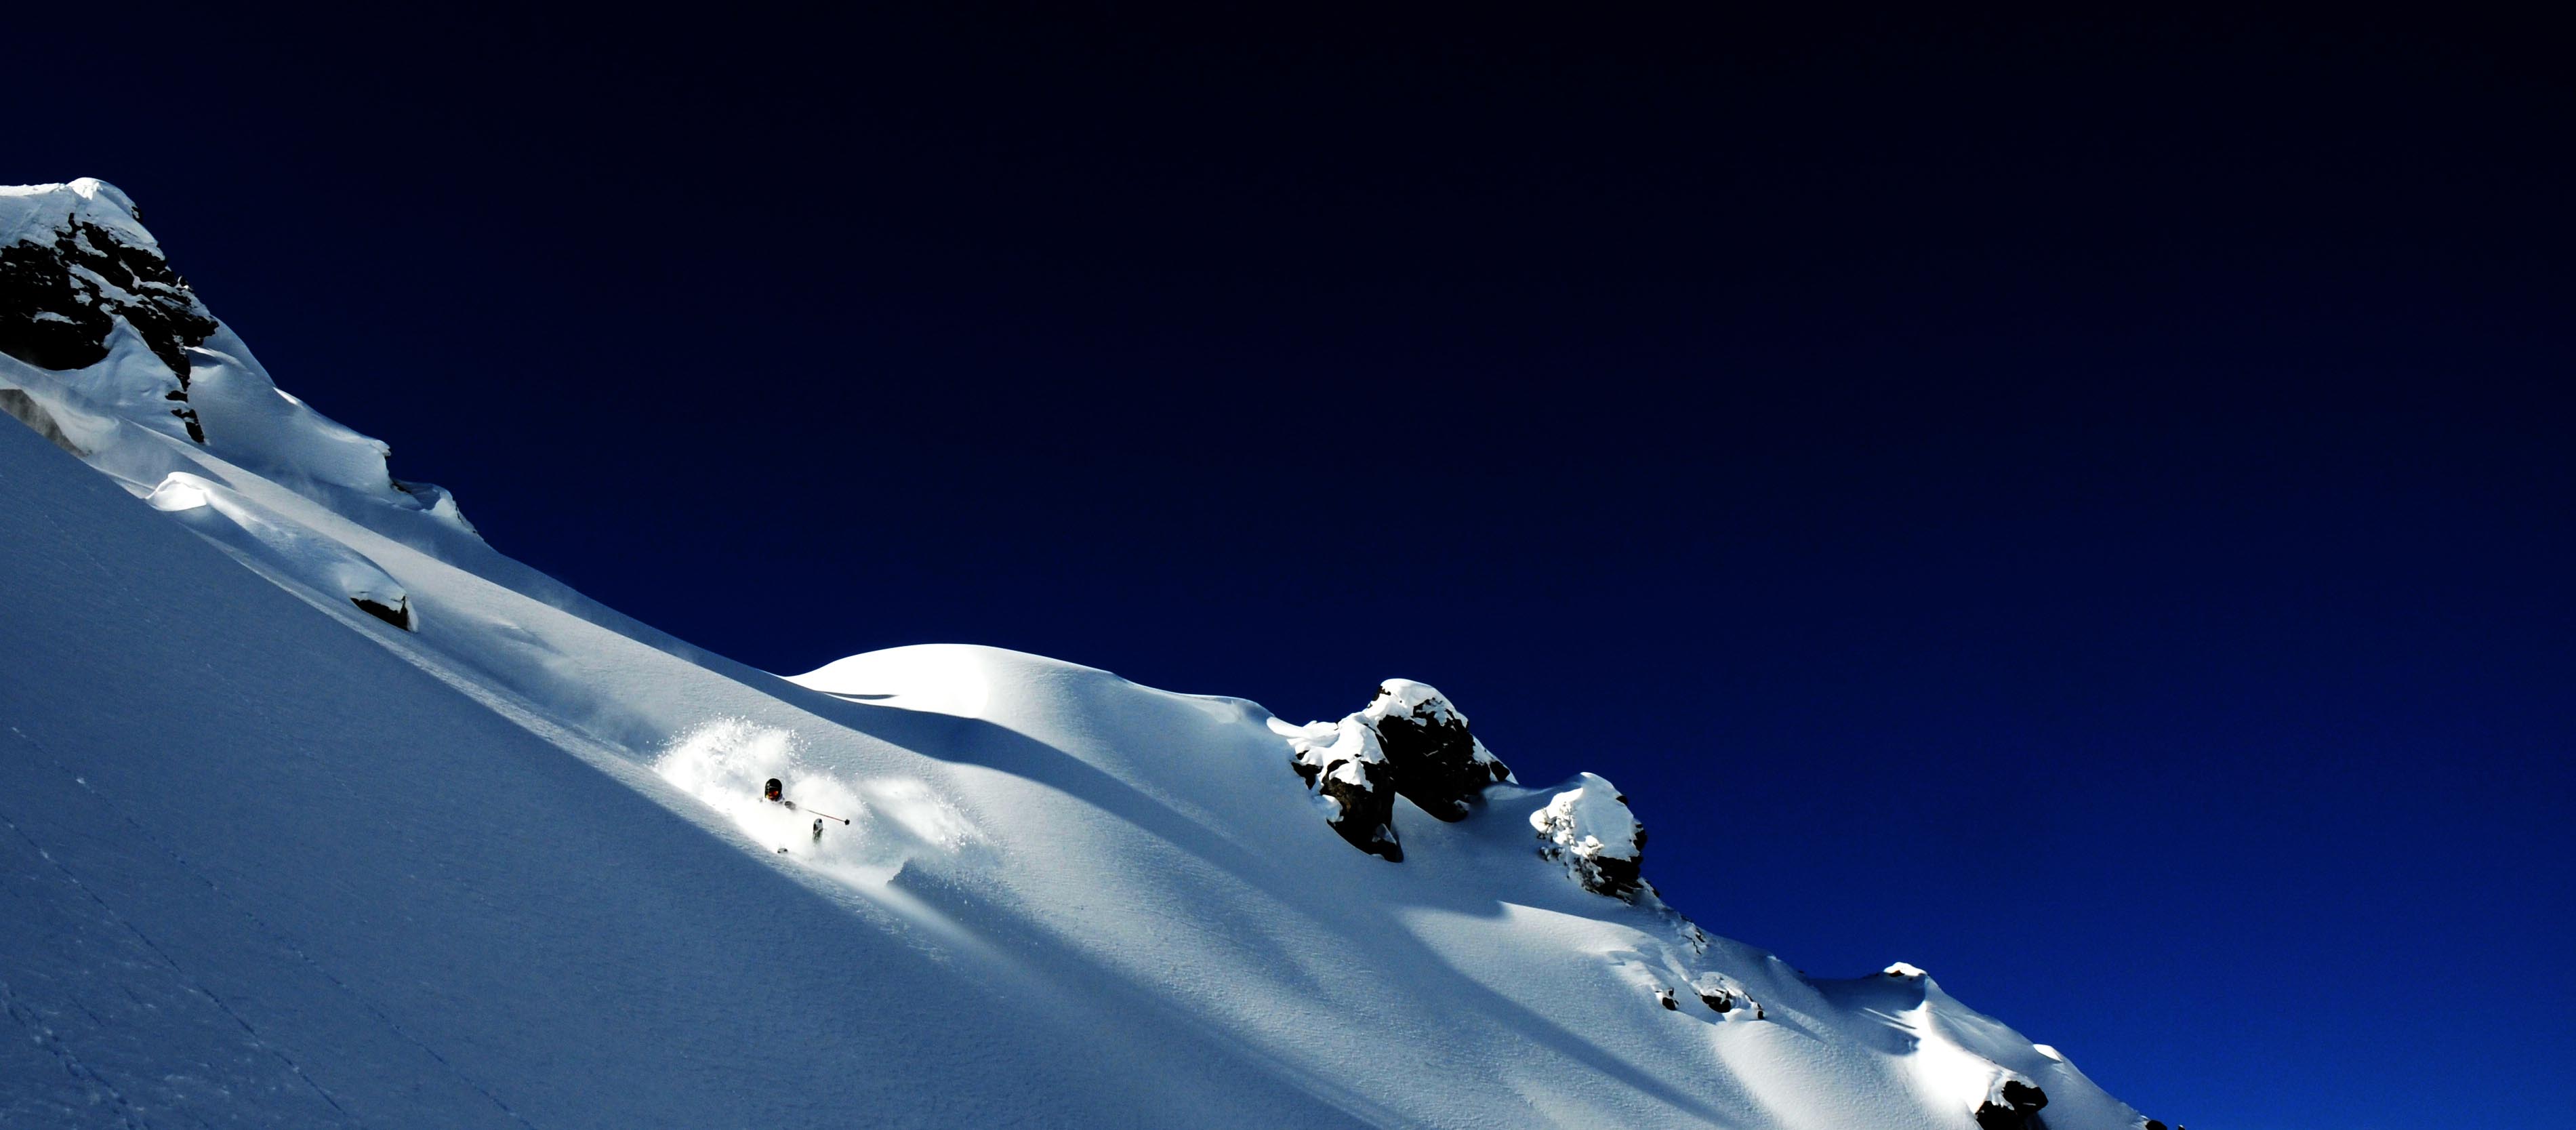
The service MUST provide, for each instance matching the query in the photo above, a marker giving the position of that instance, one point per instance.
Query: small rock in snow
(397, 614)
(1715, 992)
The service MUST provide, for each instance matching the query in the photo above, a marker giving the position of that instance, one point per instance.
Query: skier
(775, 793)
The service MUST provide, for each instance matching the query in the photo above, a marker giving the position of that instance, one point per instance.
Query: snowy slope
(319, 811)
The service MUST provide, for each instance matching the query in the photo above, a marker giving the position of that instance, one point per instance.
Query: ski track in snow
(53, 1040)
(90, 1082)
(140, 832)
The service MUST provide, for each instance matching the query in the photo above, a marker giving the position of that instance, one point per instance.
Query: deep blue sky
(2084, 508)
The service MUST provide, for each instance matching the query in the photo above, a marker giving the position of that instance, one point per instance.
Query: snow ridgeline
(510, 867)
(76, 267)
(106, 352)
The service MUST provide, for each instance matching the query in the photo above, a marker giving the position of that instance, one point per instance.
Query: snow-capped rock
(75, 268)
(103, 345)
(1410, 740)
(1589, 829)
(1438, 764)
(1719, 994)
(1347, 771)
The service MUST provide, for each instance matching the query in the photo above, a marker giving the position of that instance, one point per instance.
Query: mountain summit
(322, 812)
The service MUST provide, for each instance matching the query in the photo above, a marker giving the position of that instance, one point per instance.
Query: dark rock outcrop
(1715, 992)
(1344, 765)
(2014, 1106)
(62, 290)
(1439, 765)
(1618, 878)
(1409, 741)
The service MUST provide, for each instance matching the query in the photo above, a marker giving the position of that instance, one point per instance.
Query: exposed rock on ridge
(2014, 1105)
(1410, 740)
(68, 274)
(1348, 773)
(104, 350)
(1589, 829)
(1438, 764)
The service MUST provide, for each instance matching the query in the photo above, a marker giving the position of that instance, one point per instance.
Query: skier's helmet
(770, 791)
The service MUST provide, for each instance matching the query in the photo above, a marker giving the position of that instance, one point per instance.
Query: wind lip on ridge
(54, 206)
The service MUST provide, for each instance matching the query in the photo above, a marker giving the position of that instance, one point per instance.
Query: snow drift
(270, 861)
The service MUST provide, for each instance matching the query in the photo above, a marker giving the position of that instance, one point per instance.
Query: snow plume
(871, 828)
(725, 763)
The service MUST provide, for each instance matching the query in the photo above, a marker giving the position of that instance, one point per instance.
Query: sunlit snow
(270, 861)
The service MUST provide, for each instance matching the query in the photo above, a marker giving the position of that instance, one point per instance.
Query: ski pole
(829, 816)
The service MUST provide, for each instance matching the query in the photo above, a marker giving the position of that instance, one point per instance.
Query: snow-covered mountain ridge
(320, 811)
